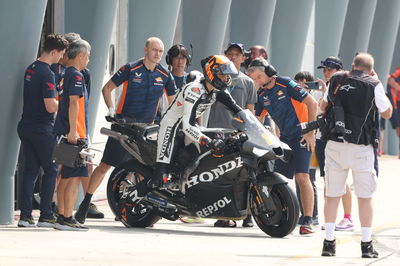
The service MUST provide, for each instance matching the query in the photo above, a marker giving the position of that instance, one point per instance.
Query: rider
(187, 107)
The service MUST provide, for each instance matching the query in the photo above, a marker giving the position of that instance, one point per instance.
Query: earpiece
(174, 51)
(269, 69)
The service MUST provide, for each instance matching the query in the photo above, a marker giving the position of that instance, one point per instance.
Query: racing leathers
(182, 114)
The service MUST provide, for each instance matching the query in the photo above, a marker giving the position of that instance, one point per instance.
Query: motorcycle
(221, 184)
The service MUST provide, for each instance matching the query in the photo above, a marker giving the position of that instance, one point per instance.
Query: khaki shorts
(339, 158)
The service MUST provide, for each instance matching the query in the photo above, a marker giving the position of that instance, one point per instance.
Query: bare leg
(306, 193)
(71, 194)
(60, 195)
(347, 200)
(97, 177)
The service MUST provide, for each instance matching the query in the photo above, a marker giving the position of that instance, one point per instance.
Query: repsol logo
(215, 173)
(210, 209)
(165, 142)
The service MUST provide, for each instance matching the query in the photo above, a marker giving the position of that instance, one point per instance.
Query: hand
(309, 138)
(322, 83)
(204, 141)
(111, 112)
(73, 137)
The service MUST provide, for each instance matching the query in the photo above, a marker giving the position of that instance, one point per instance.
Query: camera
(309, 126)
(312, 85)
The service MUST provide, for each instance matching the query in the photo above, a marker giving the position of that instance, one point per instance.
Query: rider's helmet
(218, 64)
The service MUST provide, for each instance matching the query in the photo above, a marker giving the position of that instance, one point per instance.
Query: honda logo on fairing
(216, 206)
(215, 173)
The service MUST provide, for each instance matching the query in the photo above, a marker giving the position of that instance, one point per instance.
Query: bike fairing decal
(215, 173)
(166, 141)
(214, 207)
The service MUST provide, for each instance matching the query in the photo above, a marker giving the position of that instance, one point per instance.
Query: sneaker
(59, 224)
(247, 222)
(306, 229)
(368, 251)
(26, 222)
(329, 248)
(46, 222)
(81, 213)
(70, 224)
(192, 220)
(315, 221)
(344, 225)
(94, 212)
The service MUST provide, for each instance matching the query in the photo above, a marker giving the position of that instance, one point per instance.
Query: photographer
(355, 101)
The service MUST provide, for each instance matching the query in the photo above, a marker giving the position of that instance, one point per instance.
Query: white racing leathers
(188, 105)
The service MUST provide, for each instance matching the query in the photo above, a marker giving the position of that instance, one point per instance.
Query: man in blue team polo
(143, 83)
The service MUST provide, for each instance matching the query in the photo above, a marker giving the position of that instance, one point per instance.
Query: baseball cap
(236, 45)
(331, 62)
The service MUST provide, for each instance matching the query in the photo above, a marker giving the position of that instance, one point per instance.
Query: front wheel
(128, 174)
(283, 219)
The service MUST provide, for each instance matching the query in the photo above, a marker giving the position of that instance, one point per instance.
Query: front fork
(262, 194)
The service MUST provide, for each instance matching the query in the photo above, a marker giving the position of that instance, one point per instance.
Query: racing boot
(160, 176)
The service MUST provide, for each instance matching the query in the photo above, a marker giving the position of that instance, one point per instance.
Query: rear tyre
(283, 220)
(131, 215)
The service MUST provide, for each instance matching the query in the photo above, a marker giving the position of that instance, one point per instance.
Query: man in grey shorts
(243, 91)
(356, 99)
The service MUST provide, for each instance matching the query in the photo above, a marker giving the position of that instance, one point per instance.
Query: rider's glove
(204, 141)
(217, 145)
(111, 112)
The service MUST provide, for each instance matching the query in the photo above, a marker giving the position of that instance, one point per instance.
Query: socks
(307, 220)
(348, 216)
(329, 231)
(366, 233)
(87, 199)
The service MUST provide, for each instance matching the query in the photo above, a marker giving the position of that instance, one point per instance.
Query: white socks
(329, 231)
(366, 233)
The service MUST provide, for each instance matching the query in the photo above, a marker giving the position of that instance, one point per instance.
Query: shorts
(395, 119)
(299, 161)
(342, 156)
(114, 154)
(68, 172)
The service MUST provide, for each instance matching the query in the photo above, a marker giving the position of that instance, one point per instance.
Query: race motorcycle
(219, 184)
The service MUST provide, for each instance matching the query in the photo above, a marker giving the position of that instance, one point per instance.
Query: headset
(175, 50)
(269, 69)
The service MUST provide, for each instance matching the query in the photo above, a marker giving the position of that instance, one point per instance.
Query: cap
(236, 45)
(331, 62)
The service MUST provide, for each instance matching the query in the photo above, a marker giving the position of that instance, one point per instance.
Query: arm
(73, 111)
(190, 101)
(392, 83)
(250, 107)
(382, 102)
(107, 89)
(51, 105)
(311, 104)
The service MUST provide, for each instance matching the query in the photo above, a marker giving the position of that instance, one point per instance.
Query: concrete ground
(174, 243)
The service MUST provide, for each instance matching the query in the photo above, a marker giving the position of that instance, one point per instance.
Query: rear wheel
(126, 174)
(281, 221)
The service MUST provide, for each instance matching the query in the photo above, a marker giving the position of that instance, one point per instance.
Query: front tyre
(281, 221)
(131, 215)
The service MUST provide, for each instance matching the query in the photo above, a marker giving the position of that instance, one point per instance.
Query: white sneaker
(344, 225)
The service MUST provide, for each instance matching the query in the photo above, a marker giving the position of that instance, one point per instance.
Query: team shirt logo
(50, 86)
(137, 78)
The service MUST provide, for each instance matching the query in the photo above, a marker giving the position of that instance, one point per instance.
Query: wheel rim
(126, 211)
(271, 218)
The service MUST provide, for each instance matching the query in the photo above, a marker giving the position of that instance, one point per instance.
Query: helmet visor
(227, 69)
